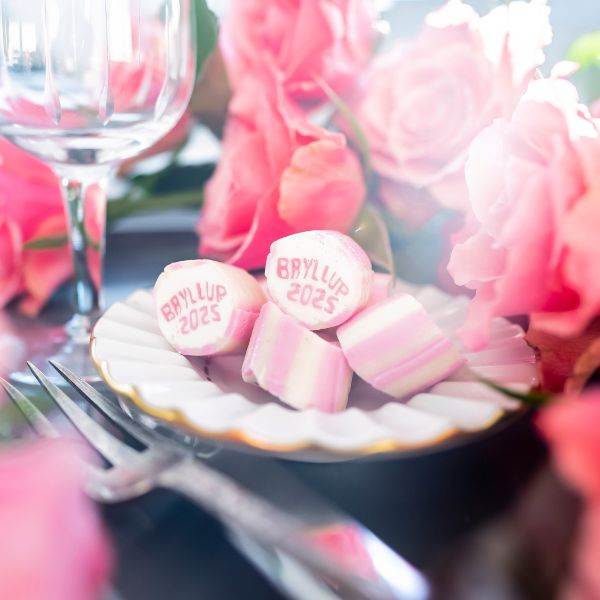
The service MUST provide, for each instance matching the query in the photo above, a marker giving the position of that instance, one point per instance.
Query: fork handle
(282, 536)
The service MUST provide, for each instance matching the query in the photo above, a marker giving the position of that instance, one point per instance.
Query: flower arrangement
(448, 156)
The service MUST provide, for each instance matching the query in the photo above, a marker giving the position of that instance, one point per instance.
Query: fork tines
(109, 446)
(132, 471)
(39, 423)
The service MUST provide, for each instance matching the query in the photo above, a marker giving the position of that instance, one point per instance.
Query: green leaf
(132, 204)
(370, 232)
(585, 51)
(534, 398)
(587, 82)
(207, 33)
(47, 243)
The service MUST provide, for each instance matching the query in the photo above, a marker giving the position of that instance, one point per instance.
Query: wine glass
(85, 84)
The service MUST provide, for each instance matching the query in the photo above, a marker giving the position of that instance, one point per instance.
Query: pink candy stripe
(240, 327)
(399, 332)
(327, 382)
(420, 362)
(285, 351)
(333, 382)
(250, 357)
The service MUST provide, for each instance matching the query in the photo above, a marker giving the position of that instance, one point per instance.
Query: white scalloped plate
(208, 398)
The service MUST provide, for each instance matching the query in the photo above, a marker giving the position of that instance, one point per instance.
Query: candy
(321, 278)
(295, 364)
(206, 307)
(397, 348)
(383, 288)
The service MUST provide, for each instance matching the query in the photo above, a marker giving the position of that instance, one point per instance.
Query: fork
(258, 525)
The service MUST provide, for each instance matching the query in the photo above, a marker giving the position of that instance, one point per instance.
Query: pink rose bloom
(427, 99)
(53, 547)
(10, 260)
(584, 580)
(305, 41)
(572, 428)
(531, 246)
(278, 174)
(31, 206)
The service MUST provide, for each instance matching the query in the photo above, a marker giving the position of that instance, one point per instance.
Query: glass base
(67, 344)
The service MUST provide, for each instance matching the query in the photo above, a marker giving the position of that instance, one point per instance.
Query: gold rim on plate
(176, 417)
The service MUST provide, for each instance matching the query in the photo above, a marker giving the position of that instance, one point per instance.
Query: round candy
(205, 307)
(321, 278)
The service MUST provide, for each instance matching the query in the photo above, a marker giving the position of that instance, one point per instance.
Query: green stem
(532, 398)
(127, 205)
(47, 243)
(350, 118)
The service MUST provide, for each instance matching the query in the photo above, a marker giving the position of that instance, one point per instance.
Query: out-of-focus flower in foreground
(572, 427)
(53, 546)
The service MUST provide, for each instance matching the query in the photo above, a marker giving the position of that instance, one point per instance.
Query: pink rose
(31, 206)
(53, 547)
(584, 579)
(10, 260)
(571, 427)
(44, 270)
(531, 246)
(427, 99)
(278, 174)
(305, 41)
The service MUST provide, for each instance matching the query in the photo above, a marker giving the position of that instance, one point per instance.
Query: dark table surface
(425, 506)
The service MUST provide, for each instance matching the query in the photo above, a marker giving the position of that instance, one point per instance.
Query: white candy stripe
(301, 379)
(422, 377)
(380, 317)
(392, 356)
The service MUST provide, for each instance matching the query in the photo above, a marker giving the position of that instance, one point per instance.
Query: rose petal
(322, 188)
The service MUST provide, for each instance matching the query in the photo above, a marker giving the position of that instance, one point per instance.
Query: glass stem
(84, 191)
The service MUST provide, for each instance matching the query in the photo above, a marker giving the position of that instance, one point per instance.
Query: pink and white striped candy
(295, 364)
(205, 307)
(383, 287)
(397, 348)
(321, 278)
